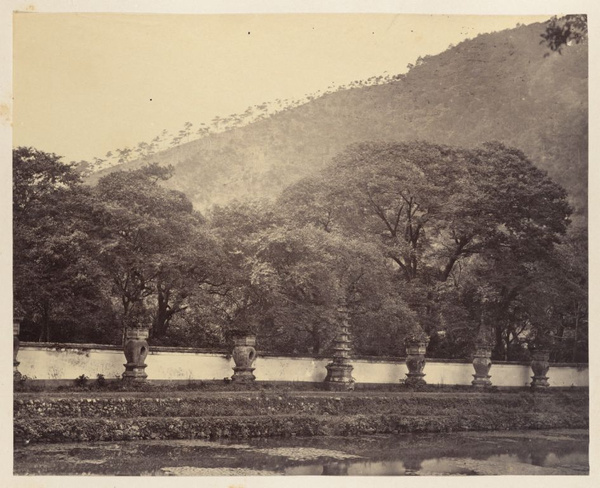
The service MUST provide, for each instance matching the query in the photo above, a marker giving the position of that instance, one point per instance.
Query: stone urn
(16, 330)
(415, 361)
(540, 364)
(482, 363)
(136, 351)
(244, 355)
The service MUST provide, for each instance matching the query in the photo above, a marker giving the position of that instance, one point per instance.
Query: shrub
(81, 381)
(100, 380)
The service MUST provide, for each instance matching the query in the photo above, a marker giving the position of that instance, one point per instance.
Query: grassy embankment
(168, 414)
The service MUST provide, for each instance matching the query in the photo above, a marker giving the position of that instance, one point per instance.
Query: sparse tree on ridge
(562, 31)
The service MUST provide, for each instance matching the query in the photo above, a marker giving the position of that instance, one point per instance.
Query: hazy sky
(88, 83)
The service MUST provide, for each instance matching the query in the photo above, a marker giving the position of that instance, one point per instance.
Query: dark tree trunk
(448, 268)
(499, 351)
(45, 324)
(165, 311)
(316, 339)
(161, 319)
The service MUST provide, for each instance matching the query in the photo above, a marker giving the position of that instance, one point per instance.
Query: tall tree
(153, 246)
(432, 209)
(57, 280)
(288, 280)
(431, 206)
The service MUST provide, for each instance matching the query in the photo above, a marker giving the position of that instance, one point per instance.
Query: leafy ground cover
(64, 417)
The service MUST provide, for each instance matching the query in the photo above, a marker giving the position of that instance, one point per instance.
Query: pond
(555, 452)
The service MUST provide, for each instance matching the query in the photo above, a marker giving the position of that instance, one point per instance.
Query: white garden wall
(45, 362)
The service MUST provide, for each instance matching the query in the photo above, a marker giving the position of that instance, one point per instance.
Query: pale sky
(85, 84)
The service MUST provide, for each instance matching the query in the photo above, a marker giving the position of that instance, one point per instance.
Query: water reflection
(505, 464)
(491, 453)
(412, 466)
(335, 469)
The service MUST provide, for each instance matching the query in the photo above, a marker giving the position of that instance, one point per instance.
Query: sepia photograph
(298, 244)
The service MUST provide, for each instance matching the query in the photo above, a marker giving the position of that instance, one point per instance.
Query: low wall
(67, 362)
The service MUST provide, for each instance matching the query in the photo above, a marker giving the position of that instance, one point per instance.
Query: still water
(556, 452)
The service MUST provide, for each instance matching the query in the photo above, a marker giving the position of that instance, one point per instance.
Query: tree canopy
(448, 220)
(400, 239)
(562, 31)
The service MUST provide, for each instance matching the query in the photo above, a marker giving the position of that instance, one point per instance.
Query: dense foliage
(400, 239)
(564, 31)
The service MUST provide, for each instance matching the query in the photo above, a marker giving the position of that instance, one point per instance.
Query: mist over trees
(405, 238)
(508, 86)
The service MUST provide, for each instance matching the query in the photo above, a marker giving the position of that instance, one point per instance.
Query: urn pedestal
(339, 376)
(136, 351)
(16, 343)
(244, 355)
(415, 362)
(540, 364)
(339, 371)
(482, 363)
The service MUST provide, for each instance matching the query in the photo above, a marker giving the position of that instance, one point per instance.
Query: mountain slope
(499, 86)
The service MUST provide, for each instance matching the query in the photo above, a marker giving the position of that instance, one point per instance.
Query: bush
(81, 381)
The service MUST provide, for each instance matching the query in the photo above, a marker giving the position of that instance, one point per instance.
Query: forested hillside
(503, 86)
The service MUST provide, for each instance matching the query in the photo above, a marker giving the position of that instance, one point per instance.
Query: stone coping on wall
(225, 352)
(111, 347)
(313, 388)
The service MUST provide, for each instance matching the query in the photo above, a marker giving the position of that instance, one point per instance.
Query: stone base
(415, 379)
(481, 381)
(339, 377)
(16, 374)
(540, 382)
(135, 372)
(243, 375)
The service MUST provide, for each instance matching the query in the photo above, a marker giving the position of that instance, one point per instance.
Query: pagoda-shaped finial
(339, 371)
